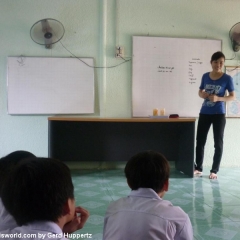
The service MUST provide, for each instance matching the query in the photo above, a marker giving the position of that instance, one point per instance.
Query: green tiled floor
(212, 205)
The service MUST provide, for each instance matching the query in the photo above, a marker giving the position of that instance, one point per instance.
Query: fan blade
(45, 26)
(236, 37)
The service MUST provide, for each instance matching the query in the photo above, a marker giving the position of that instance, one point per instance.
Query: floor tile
(212, 205)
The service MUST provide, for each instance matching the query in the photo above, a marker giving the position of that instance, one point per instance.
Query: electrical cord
(125, 60)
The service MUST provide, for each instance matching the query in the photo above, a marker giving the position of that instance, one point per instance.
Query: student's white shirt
(144, 215)
(34, 231)
(6, 220)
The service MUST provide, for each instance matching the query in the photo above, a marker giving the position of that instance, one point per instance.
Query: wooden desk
(98, 139)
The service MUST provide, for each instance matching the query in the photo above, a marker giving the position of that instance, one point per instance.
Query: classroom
(93, 29)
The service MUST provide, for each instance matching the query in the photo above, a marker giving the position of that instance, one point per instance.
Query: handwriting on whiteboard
(192, 66)
(165, 69)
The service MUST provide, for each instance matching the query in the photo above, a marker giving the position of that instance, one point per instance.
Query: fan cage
(56, 29)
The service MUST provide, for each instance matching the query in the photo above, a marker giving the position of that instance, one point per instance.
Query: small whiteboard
(39, 85)
(167, 73)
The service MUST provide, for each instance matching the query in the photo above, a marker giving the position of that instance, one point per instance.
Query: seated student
(39, 194)
(144, 214)
(7, 164)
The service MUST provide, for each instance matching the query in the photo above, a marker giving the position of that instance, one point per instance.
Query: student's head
(39, 189)
(148, 169)
(8, 162)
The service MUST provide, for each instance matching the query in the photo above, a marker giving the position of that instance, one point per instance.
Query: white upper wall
(92, 29)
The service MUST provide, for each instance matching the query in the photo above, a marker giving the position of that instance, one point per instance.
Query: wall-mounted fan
(234, 35)
(47, 32)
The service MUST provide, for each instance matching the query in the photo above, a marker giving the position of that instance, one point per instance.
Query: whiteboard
(167, 72)
(39, 85)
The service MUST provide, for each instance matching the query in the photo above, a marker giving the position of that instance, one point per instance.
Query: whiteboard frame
(46, 86)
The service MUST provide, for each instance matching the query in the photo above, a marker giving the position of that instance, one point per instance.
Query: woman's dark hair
(216, 56)
(37, 190)
(148, 169)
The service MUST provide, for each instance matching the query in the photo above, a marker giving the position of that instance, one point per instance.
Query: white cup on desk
(162, 112)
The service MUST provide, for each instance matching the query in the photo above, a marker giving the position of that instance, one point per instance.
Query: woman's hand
(213, 98)
(203, 94)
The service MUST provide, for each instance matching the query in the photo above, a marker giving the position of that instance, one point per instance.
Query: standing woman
(212, 89)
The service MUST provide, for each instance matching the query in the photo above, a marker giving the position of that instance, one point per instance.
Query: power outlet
(119, 52)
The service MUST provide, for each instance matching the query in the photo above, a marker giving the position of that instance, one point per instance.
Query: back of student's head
(37, 190)
(8, 162)
(147, 169)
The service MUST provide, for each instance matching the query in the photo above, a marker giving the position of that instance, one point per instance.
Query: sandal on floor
(196, 172)
(213, 176)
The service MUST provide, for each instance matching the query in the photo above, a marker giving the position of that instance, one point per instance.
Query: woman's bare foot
(213, 176)
(196, 172)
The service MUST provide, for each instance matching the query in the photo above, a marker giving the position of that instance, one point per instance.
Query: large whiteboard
(167, 72)
(39, 85)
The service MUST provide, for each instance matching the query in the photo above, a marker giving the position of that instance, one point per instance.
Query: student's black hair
(147, 169)
(8, 162)
(217, 55)
(37, 190)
